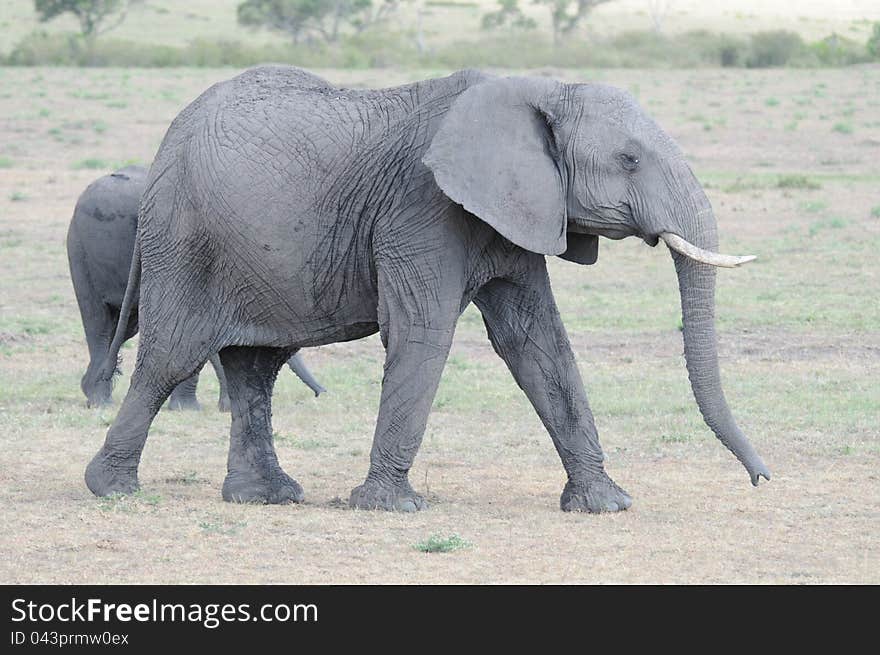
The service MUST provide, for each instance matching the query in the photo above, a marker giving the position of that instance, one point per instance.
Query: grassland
(166, 22)
(800, 350)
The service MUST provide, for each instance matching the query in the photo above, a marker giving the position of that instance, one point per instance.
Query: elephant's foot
(98, 394)
(184, 403)
(107, 475)
(596, 493)
(98, 401)
(247, 486)
(398, 497)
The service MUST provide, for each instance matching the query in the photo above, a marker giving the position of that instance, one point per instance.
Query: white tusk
(688, 249)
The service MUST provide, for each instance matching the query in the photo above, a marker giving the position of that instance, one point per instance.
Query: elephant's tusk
(688, 249)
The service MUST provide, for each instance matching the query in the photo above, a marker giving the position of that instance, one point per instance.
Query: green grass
(742, 184)
(91, 163)
(437, 544)
(129, 503)
(221, 527)
(675, 438)
(813, 206)
(843, 128)
(797, 182)
(733, 181)
(6, 162)
(829, 224)
(185, 478)
(299, 443)
(875, 211)
(785, 181)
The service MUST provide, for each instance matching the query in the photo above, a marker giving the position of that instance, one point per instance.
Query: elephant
(277, 217)
(100, 241)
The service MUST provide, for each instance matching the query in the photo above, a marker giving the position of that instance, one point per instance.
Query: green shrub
(773, 48)
(437, 544)
(380, 48)
(872, 48)
(836, 50)
(39, 48)
(732, 50)
(710, 48)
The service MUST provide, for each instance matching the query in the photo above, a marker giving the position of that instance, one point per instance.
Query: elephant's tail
(110, 368)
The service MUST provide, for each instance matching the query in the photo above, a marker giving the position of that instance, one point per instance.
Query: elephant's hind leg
(184, 395)
(99, 322)
(223, 403)
(253, 472)
(114, 469)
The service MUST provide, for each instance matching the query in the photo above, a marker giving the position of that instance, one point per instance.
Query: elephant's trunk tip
(759, 471)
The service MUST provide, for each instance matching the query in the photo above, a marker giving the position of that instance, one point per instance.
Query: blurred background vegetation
(436, 33)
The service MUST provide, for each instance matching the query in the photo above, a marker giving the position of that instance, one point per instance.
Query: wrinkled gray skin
(278, 217)
(100, 241)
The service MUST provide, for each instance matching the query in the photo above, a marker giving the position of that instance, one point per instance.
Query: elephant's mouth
(585, 226)
(675, 242)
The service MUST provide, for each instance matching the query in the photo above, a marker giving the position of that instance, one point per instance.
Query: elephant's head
(552, 166)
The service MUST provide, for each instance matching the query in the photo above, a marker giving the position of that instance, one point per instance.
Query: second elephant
(100, 242)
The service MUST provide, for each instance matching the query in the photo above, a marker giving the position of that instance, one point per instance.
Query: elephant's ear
(582, 248)
(493, 154)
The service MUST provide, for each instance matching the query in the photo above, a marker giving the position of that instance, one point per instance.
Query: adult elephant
(100, 241)
(278, 218)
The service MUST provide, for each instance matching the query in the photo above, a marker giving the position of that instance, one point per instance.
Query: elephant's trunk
(696, 281)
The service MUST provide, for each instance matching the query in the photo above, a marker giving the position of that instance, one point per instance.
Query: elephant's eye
(628, 161)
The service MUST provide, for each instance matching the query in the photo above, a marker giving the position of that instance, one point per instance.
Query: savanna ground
(789, 159)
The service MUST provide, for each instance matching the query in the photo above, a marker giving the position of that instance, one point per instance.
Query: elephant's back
(112, 197)
(103, 229)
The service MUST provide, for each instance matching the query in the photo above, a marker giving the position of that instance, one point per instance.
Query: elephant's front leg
(527, 332)
(414, 360)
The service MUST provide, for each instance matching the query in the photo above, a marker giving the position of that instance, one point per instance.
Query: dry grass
(800, 333)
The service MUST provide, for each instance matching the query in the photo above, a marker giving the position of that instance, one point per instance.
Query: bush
(836, 50)
(714, 49)
(68, 49)
(39, 48)
(376, 48)
(773, 48)
(873, 45)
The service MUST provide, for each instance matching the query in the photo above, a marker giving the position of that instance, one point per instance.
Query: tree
(310, 19)
(95, 16)
(566, 15)
(508, 15)
(659, 9)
